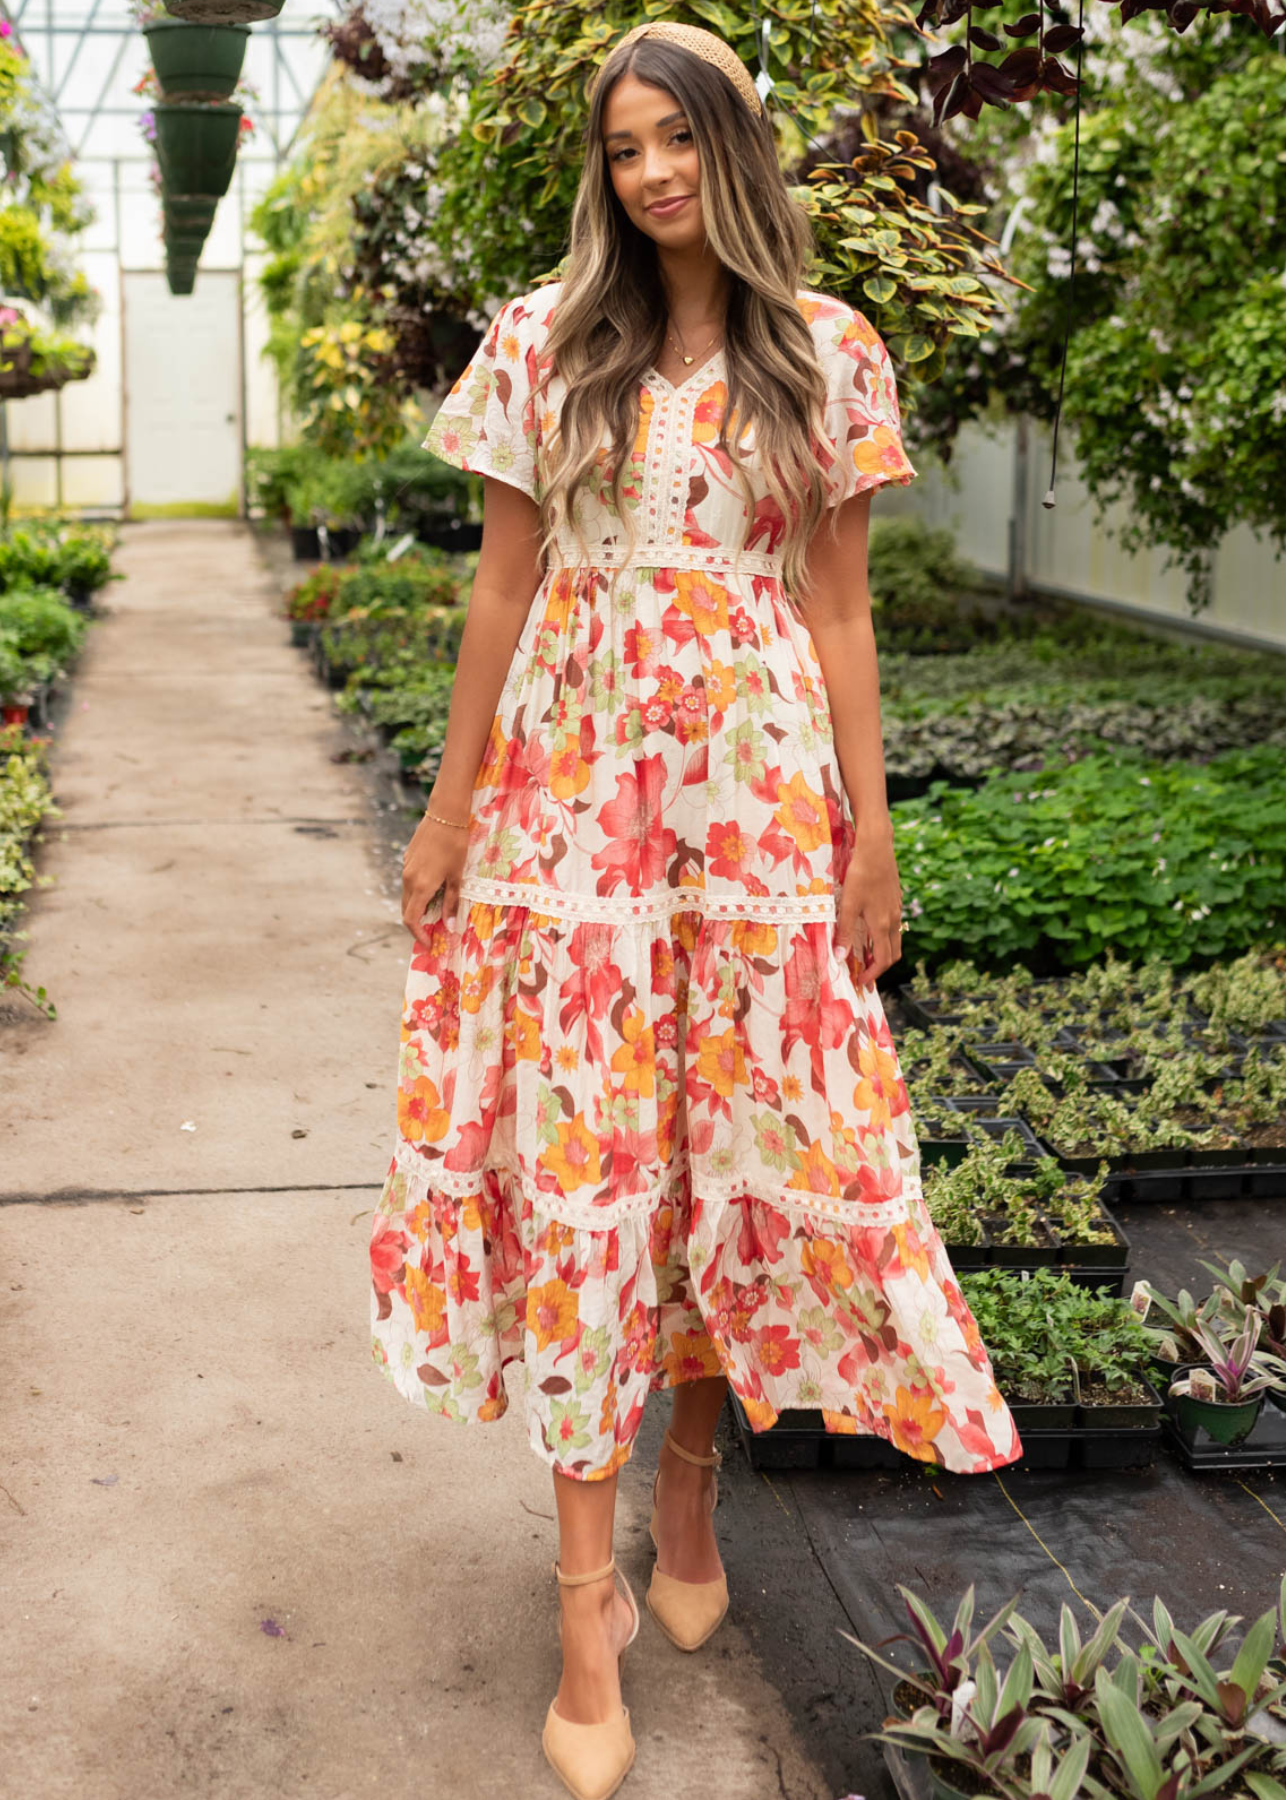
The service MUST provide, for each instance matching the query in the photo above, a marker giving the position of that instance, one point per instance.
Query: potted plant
(1224, 1394)
(224, 12)
(16, 693)
(196, 62)
(188, 212)
(196, 145)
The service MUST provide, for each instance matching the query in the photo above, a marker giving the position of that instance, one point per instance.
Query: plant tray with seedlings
(993, 1210)
(1072, 1365)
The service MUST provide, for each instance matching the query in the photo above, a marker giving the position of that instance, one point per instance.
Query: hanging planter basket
(223, 12)
(188, 212)
(196, 146)
(196, 62)
(15, 357)
(184, 246)
(181, 276)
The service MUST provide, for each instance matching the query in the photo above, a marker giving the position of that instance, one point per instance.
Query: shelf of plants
(49, 573)
(384, 635)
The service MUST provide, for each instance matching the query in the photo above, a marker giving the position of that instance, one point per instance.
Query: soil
(1136, 1394)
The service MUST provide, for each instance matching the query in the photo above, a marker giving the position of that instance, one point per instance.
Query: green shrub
(25, 799)
(43, 630)
(56, 555)
(1182, 860)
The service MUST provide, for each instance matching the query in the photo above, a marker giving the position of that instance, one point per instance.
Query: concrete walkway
(233, 1561)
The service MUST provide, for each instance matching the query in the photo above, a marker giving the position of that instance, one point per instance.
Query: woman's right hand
(433, 860)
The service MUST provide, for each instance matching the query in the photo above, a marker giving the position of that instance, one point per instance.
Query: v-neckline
(654, 374)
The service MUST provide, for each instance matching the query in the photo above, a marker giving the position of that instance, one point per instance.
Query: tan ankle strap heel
(580, 1580)
(688, 1612)
(592, 1760)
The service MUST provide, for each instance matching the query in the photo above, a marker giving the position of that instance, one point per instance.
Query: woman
(653, 1131)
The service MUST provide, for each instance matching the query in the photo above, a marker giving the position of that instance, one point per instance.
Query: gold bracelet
(437, 817)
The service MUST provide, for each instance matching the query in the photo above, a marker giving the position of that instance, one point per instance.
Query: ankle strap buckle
(713, 1461)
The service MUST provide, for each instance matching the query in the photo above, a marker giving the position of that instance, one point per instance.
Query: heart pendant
(687, 360)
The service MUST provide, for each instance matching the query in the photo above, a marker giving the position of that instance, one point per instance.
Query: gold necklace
(689, 360)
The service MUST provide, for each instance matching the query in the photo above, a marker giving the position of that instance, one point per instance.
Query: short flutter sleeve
(863, 419)
(487, 421)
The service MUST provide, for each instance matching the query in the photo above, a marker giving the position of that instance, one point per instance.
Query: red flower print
(777, 1349)
(389, 1246)
(640, 843)
(815, 1014)
(728, 850)
(642, 650)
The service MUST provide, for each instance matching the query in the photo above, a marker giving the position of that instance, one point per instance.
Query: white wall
(977, 498)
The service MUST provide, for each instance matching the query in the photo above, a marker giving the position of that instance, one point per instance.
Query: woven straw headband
(701, 43)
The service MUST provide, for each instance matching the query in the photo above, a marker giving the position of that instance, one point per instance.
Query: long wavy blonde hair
(608, 326)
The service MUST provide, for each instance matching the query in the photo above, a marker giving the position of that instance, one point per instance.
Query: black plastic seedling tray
(799, 1440)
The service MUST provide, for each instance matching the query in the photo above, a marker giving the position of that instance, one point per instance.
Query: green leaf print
(605, 690)
(818, 1328)
(747, 749)
(593, 1354)
(776, 1142)
(569, 1427)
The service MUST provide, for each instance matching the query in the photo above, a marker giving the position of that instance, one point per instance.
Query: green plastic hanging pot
(196, 62)
(188, 212)
(223, 12)
(181, 276)
(196, 146)
(184, 244)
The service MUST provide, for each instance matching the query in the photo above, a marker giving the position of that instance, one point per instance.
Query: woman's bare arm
(838, 615)
(508, 574)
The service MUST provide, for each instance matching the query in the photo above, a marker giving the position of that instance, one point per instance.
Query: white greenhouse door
(183, 394)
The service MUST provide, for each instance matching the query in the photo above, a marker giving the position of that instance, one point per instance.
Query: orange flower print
(753, 938)
(721, 1062)
(551, 1313)
(703, 598)
(475, 987)
(421, 1118)
(691, 1357)
(879, 1079)
(427, 1301)
(912, 1254)
(566, 1058)
(721, 686)
(817, 1174)
(802, 813)
(524, 1037)
(762, 1416)
(636, 1058)
(708, 415)
(916, 1420)
(568, 771)
(574, 1158)
(825, 1265)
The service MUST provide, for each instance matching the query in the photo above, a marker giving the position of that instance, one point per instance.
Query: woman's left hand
(870, 905)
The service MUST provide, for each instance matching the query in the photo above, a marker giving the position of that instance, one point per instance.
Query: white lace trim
(617, 909)
(583, 1215)
(664, 555)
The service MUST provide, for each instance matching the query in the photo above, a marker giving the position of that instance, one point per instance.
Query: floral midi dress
(651, 1128)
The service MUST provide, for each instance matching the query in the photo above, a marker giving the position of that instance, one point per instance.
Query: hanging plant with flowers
(148, 88)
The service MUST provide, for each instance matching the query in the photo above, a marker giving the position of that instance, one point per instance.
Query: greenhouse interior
(1001, 1312)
